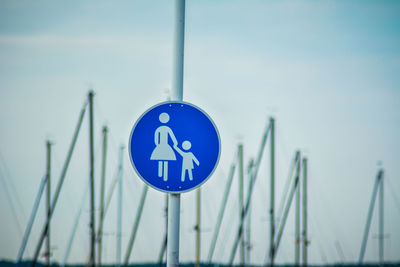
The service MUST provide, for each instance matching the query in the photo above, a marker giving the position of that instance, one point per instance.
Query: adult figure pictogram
(163, 151)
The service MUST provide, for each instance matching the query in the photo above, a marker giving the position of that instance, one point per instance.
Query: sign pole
(177, 94)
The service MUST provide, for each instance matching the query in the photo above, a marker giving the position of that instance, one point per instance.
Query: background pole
(381, 222)
(59, 185)
(119, 206)
(91, 178)
(48, 168)
(304, 236)
(197, 227)
(272, 189)
(221, 211)
(241, 206)
(103, 178)
(297, 217)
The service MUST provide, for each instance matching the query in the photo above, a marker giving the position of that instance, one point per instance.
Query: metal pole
(297, 217)
(119, 206)
(272, 190)
(75, 226)
(221, 212)
(91, 179)
(31, 220)
(59, 185)
(369, 217)
(241, 204)
(177, 94)
(381, 223)
(286, 211)
(103, 178)
(304, 234)
(173, 230)
(136, 225)
(197, 227)
(179, 43)
(48, 172)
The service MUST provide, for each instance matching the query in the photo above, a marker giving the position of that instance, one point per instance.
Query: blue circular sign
(174, 147)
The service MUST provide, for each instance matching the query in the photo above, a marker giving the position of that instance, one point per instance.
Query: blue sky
(326, 70)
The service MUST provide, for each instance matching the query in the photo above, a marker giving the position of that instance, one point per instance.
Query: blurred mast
(75, 226)
(164, 242)
(381, 223)
(272, 194)
(31, 220)
(304, 233)
(136, 224)
(297, 217)
(48, 187)
(249, 193)
(197, 226)
(241, 203)
(59, 185)
(250, 169)
(91, 179)
(119, 207)
(288, 204)
(103, 178)
(221, 211)
(369, 217)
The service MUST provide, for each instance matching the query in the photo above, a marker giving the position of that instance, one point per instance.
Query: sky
(327, 71)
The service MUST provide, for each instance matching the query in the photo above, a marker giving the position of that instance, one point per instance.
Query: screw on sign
(174, 147)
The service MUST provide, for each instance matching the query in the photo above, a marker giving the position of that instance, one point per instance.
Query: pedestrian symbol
(174, 147)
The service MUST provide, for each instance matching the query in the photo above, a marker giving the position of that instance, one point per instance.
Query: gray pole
(91, 179)
(31, 220)
(272, 190)
(369, 217)
(177, 94)
(48, 174)
(197, 227)
(136, 225)
(119, 206)
(103, 178)
(381, 222)
(297, 217)
(304, 234)
(59, 185)
(221, 212)
(241, 204)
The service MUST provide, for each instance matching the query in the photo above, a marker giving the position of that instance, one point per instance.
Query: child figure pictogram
(187, 161)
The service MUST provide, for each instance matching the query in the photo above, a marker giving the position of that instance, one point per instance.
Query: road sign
(174, 147)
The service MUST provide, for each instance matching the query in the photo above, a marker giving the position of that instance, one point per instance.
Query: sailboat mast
(48, 199)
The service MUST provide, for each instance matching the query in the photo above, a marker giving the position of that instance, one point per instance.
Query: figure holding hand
(188, 159)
